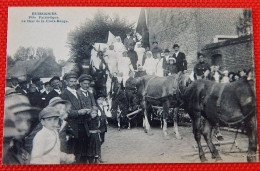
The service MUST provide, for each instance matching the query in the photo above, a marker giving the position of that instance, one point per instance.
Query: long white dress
(150, 66)
(140, 54)
(159, 67)
(124, 67)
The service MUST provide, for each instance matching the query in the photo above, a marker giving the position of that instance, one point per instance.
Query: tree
(93, 31)
(21, 54)
(10, 61)
(244, 25)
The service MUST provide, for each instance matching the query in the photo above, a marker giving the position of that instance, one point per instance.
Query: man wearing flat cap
(76, 117)
(180, 57)
(86, 98)
(55, 84)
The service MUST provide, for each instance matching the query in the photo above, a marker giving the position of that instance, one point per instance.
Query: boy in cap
(46, 143)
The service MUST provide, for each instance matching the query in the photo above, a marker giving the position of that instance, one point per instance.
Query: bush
(93, 31)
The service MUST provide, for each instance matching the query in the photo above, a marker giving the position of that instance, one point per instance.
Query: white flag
(111, 38)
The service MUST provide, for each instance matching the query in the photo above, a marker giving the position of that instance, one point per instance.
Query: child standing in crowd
(103, 122)
(225, 78)
(103, 118)
(230, 75)
(46, 143)
(94, 145)
(171, 67)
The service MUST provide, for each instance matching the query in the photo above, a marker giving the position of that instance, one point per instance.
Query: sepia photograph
(115, 85)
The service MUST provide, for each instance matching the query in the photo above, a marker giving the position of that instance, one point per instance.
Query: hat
(22, 81)
(70, 75)
(200, 54)
(85, 77)
(36, 79)
(14, 78)
(173, 59)
(56, 100)
(17, 103)
(9, 91)
(155, 42)
(49, 112)
(54, 78)
(225, 72)
(166, 51)
(175, 45)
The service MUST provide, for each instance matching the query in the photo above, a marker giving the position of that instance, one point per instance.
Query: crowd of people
(202, 70)
(60, 124)
(63, 121)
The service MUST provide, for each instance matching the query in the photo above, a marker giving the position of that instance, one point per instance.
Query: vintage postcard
(92, 85)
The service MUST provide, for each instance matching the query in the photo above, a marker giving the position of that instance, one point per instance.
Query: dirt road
(134, 146)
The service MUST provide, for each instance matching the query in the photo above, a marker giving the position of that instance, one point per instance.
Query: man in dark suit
(76, 117)
(86, 98)
(180, 57)
(55, 83)
(128, 40)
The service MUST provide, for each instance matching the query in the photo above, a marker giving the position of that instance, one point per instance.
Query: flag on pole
(111, 38)
(142, 29)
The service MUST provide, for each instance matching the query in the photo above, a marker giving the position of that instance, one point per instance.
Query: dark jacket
(49, 96)
(103, 120)
(35, 99)
(200, 68)
(127, 42)
(181, 62)
(14, 154)
(87, 101)
(133, 58)
(74, 119)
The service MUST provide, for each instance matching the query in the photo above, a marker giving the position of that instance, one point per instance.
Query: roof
(239, 40)
(45, 67)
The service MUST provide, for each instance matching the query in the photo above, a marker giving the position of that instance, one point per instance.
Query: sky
(54, 35)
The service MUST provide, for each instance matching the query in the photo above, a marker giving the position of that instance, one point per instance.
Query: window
(216, 60)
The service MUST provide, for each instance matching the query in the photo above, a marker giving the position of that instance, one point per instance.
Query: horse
(119, 106)
(230, 103)
(161, 91)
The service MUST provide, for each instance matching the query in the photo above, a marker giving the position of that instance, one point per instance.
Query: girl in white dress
(149, 64)
(140, 53)
(124, 66)
(159, 66)
(118, 45)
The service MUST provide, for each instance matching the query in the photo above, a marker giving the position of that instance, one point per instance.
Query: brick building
(232, 55)
(191, 28)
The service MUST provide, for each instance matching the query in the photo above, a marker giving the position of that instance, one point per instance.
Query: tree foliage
(10, 61)
(96, 30)
(28, 53)
(244, 25)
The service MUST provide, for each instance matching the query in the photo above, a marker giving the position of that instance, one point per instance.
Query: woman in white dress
(140, 53)
(124, 67)
(159, 66)
(119, 47)
(149, 64)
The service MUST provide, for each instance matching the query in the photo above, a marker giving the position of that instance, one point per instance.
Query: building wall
(236, 54)
(191, 28)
